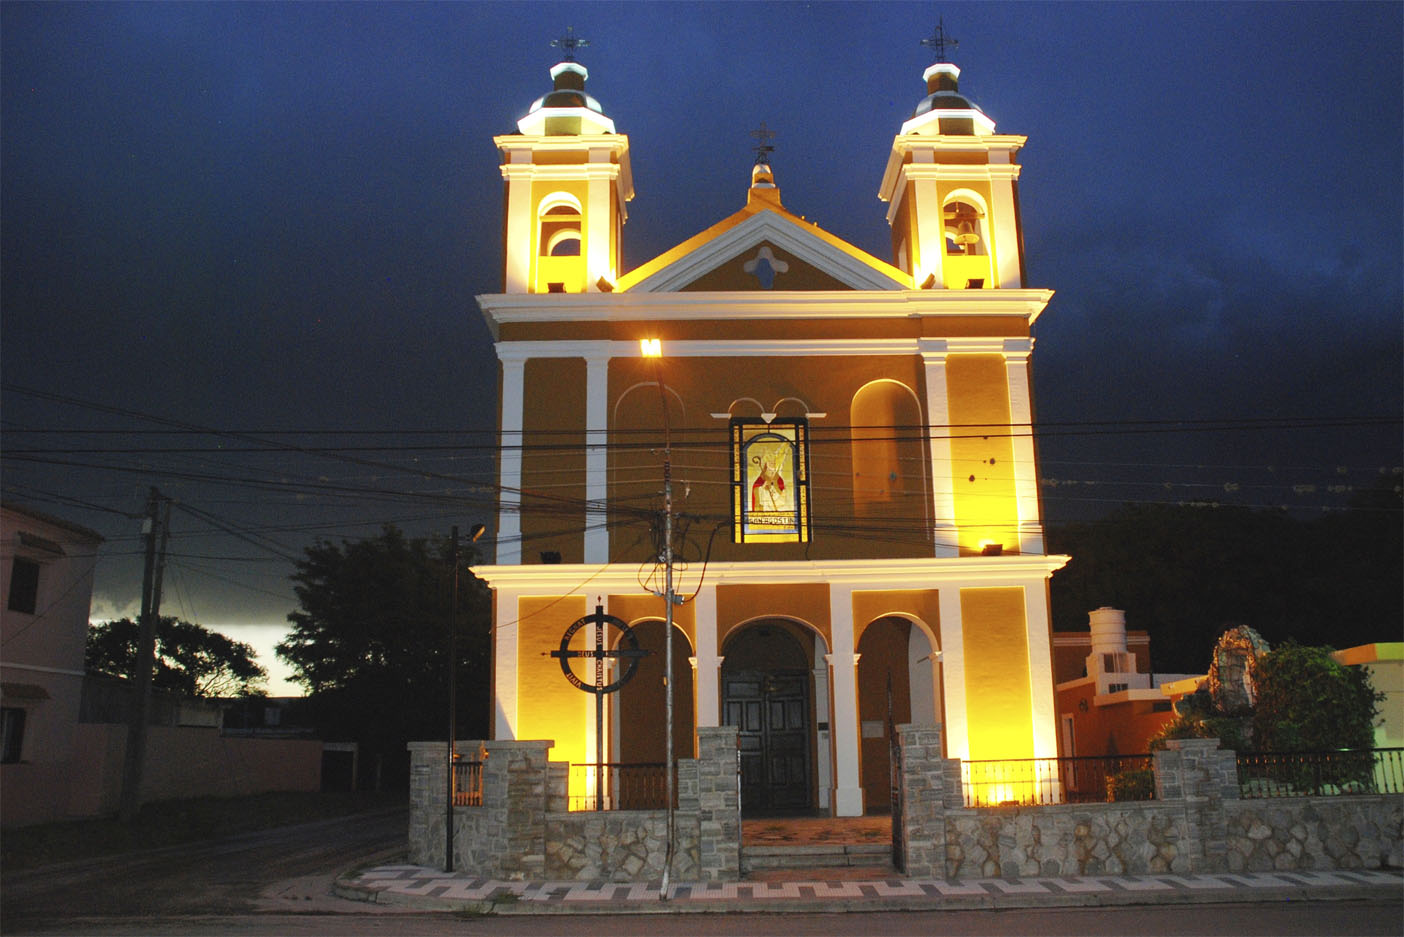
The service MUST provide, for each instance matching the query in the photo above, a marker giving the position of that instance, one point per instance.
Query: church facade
(857, 540)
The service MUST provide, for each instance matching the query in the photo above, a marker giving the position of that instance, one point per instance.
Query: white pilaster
(847, 799)
(599, 220)
(708, 676)
(1016, 364)
(938, 419)
(520, 229)
(1042, 697)
(930, 254)
(504, 635)
(509, 515)
(1003, 172)
(953, 672)
(596, 459)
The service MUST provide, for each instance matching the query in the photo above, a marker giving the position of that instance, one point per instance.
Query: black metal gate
(898, 842)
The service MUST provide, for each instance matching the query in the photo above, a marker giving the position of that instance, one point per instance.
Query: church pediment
(767, 250)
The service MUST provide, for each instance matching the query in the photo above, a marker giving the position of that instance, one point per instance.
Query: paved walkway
(429, 889)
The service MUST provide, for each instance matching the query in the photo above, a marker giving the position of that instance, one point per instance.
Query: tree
(190, 658)
(370, 641)
(1309, 702)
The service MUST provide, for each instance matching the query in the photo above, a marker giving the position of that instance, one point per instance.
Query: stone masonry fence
(1197, 824)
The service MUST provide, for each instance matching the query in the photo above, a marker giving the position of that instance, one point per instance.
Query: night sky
(270, 220)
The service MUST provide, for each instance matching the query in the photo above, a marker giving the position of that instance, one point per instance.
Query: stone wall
(523, 830)
(1196, 824)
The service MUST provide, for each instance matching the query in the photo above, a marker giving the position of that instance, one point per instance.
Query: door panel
(771, 713)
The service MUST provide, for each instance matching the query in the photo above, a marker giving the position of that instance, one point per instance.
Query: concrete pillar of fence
(718, 805)
(516, 781)
(919, 821)
(1199, 775)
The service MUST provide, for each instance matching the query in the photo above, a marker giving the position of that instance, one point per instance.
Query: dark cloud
(274, 217)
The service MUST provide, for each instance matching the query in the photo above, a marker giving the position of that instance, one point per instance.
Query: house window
(24, 586)
(11, 734)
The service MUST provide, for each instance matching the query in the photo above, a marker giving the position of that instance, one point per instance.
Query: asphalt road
(278, 882)
(284, 869)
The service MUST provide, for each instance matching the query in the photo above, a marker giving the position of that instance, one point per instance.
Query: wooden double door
(771, 711)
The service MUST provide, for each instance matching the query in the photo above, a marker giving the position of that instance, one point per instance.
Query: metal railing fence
(1301, 774)
(617, 786)
(467, 782)
(1042, 781)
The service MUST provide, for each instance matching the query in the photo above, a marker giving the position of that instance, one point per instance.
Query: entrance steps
(773, 862)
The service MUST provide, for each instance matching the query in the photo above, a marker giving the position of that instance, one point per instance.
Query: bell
(966, 234)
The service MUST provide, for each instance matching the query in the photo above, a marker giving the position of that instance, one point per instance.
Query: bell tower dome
(952, 187)
(568, 180)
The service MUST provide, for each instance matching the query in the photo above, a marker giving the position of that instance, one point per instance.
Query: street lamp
(474, 533)
(653, 348)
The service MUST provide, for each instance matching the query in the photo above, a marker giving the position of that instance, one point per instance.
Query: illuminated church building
(853, 481)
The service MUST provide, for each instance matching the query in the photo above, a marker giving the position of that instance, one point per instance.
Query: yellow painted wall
(634, 608)
(701, 470)
(808, 602)
(998, 696)
(982, 454)
(923, 604)
(553, 462)
(549, 707)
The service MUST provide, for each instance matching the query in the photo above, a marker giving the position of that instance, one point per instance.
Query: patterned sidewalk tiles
(407, 884)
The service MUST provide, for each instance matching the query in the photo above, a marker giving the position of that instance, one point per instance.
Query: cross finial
(763, 148)
(569, 43)
(939, 42)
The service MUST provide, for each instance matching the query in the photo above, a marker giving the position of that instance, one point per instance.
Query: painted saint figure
(768, 490)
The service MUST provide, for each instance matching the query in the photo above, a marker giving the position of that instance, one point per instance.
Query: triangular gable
(741, 238)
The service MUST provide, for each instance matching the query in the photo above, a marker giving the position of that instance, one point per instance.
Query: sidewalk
(429, 889)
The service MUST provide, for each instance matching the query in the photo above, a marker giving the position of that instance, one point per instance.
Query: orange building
(856, 517)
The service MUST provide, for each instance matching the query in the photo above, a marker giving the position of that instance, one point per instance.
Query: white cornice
(1012, 349)
(502, 308)
(767, 226)
(1002, 145)
(895, 574)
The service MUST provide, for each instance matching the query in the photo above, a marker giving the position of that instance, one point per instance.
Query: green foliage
(1307, 702)
(370, 641)
(190, 659)
(1231, 731)
(1132, 784)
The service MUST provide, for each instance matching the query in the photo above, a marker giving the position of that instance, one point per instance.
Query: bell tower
(568, 180)
(952, 187)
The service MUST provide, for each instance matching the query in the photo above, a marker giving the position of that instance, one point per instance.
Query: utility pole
(139, 711)
(453, 705)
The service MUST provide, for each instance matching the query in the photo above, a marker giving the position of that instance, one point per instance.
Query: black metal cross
(763, 148)
(628, 650)
(939, 41)
(569, 43)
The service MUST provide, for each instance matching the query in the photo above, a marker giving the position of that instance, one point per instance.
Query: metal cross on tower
(938, 41)
(763, 148)
(569, 43)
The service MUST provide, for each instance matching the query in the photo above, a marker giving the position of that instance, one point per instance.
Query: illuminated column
(1016, 363)
(843, 665)
(707, 679)
(509, 514)
(938, 418)
(929, 222)
(596, 458)
(504, 674)
(599, 220)
(1042, 697)
(953, 667)
(520, 234)
(1004, 218)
